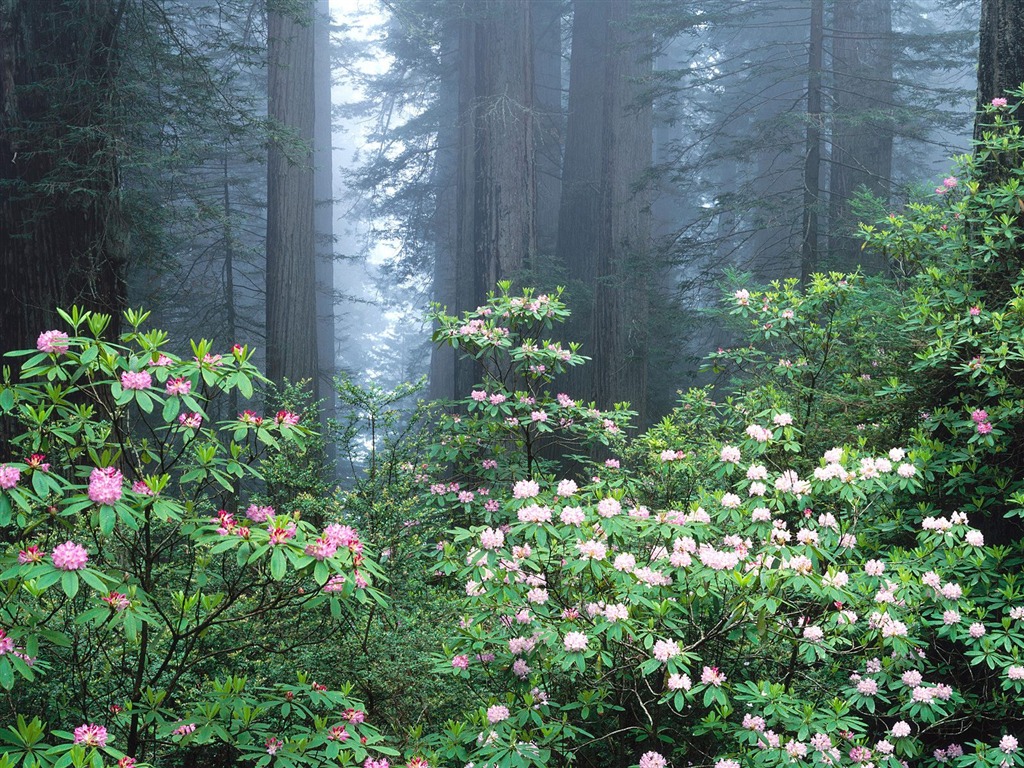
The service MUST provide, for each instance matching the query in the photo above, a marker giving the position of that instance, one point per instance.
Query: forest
(512, 383)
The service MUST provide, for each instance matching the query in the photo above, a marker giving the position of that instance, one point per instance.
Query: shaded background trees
(629, 149)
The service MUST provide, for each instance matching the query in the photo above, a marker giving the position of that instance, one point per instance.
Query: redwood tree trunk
(604, 222)
(812, 159)
(862, 132)
(1001, 52)
(492, 207)
(291, 250)
(61, 241)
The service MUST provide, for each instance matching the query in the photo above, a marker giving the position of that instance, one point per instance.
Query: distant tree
(812, 158)
(323, 211)
(604, 240)
(63, 236)
(863, 100)
(1001, 52)
(291, 248)
(487, 201)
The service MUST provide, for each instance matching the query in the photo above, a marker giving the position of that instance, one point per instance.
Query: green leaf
(69, 583)
(278, 564)
(107, 519)
(171, 409)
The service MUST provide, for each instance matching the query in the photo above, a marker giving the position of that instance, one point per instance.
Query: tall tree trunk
(291, 250)
(61, 241)
(494, 208)
(549, 122)
(1000, 54)
(444, 222)
(323, 210)
(604, 221)
(862, 131)
(812, 159)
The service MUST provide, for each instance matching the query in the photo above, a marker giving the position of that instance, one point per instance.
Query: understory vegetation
(816, 561)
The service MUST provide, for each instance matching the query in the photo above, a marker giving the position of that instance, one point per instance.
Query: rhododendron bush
(703, 602)
(816, 567)
(140, 564)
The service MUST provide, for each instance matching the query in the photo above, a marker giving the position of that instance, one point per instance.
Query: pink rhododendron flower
(567, 488)
(52, 342)
(91, 735)
(901, 729)
(525, 489)
(184, 729)
(179, 386)
(998, 102)
(783, 419)
(572, 516)
(491, 538)
(259, 514)
(976, 630)
(286, 417)
(190, 420)
(595, 550)
(31, 554)
(575, 642)
(867, 686)
(1008, 744)
(140, 487)
(105, 485)
(712, 676)
(652, 760)
(478, 395)
(874, 567)
(624, 562)
(731, 501)
(9, 476)
(279, 534)
(730, 454)
(497, 713)
(136, 380)
(758, 433)
(116, 601)
(678, 682)
(665, 649)
(813, 634)
(608, 507)
(69, 556)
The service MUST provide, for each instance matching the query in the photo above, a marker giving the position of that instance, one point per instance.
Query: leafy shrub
(132, 587)
(699, 599)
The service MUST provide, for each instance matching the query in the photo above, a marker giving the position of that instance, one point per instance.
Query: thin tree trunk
(812, 159)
